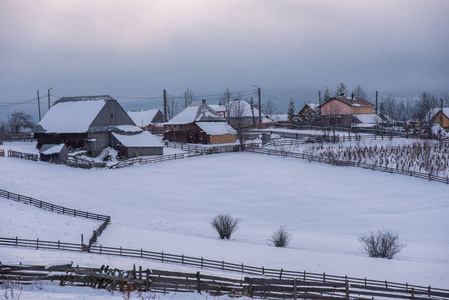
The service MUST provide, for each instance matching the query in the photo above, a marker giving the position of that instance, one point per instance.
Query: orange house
(340, 110)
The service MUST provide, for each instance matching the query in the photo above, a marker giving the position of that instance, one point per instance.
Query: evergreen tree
(341, 90)
(291, 110)
(326, 95)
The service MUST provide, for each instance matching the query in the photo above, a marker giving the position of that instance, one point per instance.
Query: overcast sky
(139, 47)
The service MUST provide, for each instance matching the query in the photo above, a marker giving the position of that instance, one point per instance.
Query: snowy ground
(168, 207)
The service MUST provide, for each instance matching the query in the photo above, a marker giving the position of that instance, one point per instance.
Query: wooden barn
(199, 124)
(84, 122)
(150, 120)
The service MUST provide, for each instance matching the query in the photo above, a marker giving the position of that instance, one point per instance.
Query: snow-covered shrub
(225, 224)
(280, 238)
(383, 244)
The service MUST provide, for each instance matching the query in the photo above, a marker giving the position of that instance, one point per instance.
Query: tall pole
(165, 105)
(260, 107)
(319, 98)
(39, 105)
(441, 113)
(49, 97)
(377, 94)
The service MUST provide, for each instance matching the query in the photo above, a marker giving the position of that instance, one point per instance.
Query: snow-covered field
(168, 207)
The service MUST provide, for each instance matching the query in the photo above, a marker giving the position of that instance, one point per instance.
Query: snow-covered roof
(196, 112)
(240, 104)
(368, 118)
(216, 128)
(51, 149)
(143, 117)
(143, 139)
(71, 116)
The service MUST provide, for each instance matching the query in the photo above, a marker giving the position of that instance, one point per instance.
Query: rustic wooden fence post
(198, 280)
(295, 289)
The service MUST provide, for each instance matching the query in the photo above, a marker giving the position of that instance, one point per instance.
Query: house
(54, 153)
(340, 111)
(438, 116)
(239, 112)
(198, 123)
(85, 122)
(135, 145)
(309, 112)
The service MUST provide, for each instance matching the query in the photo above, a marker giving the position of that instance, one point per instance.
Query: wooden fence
(63, 210)
(28, 156)
(53, 207)
(191, 151)
(308, 157)
(278, 283)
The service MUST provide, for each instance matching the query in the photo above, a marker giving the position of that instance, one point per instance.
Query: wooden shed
(135, 145)
(54, 153)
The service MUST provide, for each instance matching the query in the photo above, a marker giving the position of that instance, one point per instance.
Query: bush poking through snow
(280, 238)
(383, 244)
(225, 225)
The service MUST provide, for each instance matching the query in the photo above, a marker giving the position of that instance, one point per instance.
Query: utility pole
(49, 98)
(39, 105)
(165, 105)
(377, 94)
(441, 113)
(319, 98)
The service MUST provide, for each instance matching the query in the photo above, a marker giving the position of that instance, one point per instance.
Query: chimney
(352, 96)
(204, 101)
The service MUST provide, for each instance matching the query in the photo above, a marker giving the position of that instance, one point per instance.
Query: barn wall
(144, 151)
(112, 114)
(102, 140)
(74, 140)
(221, 139)
(362, 110)
(158, 118)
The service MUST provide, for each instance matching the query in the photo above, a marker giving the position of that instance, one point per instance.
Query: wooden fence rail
(62, 210)
(308, 157)
(191, 151)
(28, 156)
(52, 207)
(359, 285)
(169, 281)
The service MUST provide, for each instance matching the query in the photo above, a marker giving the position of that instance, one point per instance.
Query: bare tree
(225, 100)
(383, 244)
(389, 109)
(425, 104)
(18, 121)
(359, 92)
(332, 112)
(189, 97)
(225, 225)
(172, 107)
(268, 108)
(238, 114)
